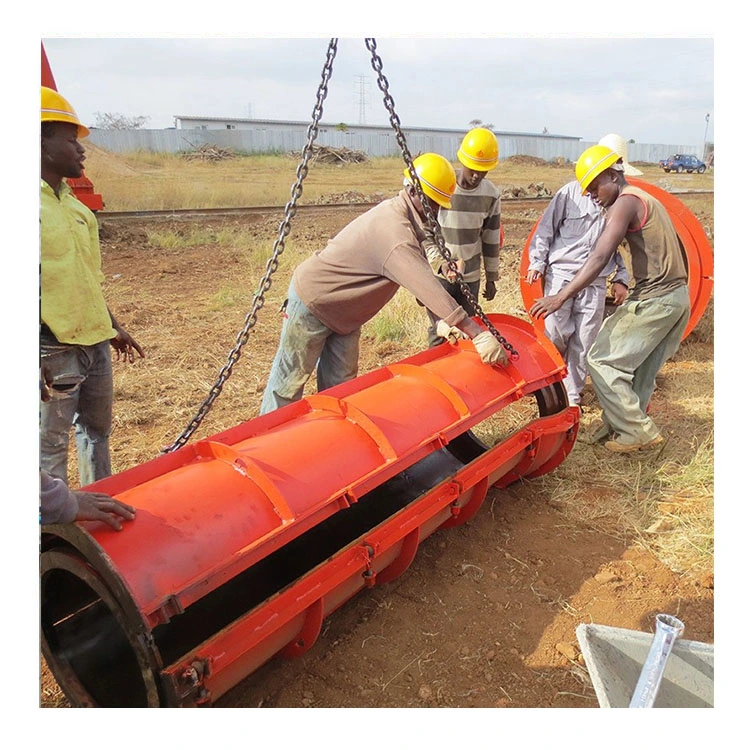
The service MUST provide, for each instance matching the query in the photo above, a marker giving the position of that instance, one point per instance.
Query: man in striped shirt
(471, 227)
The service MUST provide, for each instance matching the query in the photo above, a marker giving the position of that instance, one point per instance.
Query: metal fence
(374, 144)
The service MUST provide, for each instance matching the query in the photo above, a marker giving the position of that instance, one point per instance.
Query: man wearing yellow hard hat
(338, 289)
(76, 326)
(563, 240)
(470, 227)
(646, 330)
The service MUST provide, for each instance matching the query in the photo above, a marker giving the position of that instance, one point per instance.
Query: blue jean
(632, 345)
(87, 406)
(305, 342)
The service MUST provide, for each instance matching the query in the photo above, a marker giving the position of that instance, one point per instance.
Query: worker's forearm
(470, 327)
(585, 276)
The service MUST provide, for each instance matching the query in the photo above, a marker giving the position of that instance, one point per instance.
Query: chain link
(285, 227)
(377, 65)
(273, 262)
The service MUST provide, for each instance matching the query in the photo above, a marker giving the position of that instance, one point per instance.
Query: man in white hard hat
(620, 146)
(567, 232)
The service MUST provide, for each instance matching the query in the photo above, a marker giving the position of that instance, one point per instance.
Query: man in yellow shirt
(76, 326)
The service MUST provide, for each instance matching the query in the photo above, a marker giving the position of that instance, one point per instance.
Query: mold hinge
(189, 684)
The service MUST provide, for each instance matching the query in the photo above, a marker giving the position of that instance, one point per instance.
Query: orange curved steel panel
(698, 254)
(244, 541)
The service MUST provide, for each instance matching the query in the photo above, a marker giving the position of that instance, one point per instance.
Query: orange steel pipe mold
(245, 541)
(696, 246)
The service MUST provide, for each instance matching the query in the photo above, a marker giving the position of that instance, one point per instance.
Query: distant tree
(480, 124)
(342, 126)
(475, 123)
(116, 121)
(545, 131)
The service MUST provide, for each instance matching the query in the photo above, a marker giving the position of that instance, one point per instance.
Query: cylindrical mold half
(245, 541)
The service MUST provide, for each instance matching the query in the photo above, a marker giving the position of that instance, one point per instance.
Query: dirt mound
(524, 160)
(332, 155)
(534, 190)
(113, 235)
(351, 196)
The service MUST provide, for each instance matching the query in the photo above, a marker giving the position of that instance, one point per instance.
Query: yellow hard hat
(479, 150)
(592, 162)
(56, 108)
(436, 176)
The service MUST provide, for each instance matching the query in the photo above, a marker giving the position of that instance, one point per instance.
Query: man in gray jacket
(566, 235)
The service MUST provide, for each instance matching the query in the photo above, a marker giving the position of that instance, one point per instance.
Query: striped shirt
(471, 230)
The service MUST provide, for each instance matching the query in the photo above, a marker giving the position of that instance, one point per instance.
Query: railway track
(188, 214)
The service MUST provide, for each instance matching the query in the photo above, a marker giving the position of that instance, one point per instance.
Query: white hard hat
(620, 146)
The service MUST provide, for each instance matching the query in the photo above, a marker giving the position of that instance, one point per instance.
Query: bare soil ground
(486, 614)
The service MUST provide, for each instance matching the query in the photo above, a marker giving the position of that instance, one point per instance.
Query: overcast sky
(653, 90)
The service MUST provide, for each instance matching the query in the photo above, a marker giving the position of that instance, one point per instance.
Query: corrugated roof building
(284, 136)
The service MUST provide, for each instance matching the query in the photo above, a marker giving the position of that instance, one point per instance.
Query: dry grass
(142, 180)
(663, 501)
(183, 290)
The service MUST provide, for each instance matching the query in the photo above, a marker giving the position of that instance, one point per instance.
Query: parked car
(683, 163)
(663, 162)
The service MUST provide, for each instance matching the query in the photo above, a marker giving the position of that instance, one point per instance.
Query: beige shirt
(656, 255)
(360, 269)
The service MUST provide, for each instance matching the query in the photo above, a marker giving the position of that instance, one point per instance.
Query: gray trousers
(87, 404)
(573, 329)
(633, 344)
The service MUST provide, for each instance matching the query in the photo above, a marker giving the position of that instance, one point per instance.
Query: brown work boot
(618, 446)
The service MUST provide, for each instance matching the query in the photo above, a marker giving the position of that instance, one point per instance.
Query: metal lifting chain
(273, 263)
(377, 65)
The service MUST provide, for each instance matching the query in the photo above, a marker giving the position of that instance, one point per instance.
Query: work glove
(489, 349)
(449, 333)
